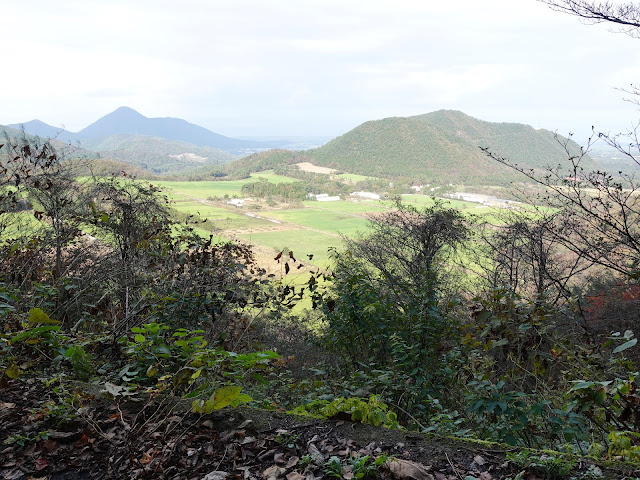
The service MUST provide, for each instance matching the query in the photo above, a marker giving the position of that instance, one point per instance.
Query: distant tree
(520, 252)
(136, 220)
(408, 244)
(34, 171)
(386, 285)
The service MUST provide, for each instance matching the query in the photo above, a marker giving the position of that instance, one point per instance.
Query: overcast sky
(305, 67)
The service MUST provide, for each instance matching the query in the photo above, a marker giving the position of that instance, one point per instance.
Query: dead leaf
(146, 458)
(41, 464)
(263, 456)
(208, 424)
(293, 461)
(405, 469)
(317, 457)
(347, 473)
(13, 475)
(215, 475)
(245, 424)
(272, 473)
(479, 460)
(295, 476)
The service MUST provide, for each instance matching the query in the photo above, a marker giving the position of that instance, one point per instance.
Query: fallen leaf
(293, 461)
(215, 475)
(315, 454)
(263, 456)
(272, 473)
(406, 469)
(13, 475)
(479, 460)
(41, 463)
(295, 476)
(146, 458)
(245, 424)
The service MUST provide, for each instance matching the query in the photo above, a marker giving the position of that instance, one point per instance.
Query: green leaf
(139, 338)
(224, 396)
(33, 333)
(13, 371)
(625, 345)
(500, 343)
(242, 398)
(37, 315)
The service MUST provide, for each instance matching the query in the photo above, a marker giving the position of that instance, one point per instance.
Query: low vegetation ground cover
(106, 335)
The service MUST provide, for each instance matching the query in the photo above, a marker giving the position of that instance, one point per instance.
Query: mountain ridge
(437, 147)
(126, 120)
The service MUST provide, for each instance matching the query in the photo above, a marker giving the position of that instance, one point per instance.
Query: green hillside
(439, 147)
(158, 155)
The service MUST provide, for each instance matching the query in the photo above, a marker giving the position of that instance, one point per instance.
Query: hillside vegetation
(156, 154)
(438, 147)
(105, 294)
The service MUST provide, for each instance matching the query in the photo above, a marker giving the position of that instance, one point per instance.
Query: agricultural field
(206, 189)
(310, 228)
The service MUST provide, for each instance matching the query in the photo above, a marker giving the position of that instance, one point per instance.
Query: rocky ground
(87, 434)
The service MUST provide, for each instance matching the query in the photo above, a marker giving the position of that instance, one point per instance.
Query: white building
(367, 195)
(323, 197)
(236, 202)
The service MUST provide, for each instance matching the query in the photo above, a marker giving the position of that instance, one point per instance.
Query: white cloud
(316, 66)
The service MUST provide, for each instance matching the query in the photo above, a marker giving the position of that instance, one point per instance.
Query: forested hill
(442, 147)
(157, 155)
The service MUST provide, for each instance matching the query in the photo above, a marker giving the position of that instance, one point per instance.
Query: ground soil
(82, 433)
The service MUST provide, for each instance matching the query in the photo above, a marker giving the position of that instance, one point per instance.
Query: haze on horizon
(252, 68)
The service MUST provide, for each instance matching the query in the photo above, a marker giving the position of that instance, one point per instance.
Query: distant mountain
(64, 149)
(438, 147)
(125, 120)
(157, 155)
(128, 121)
(41, 129)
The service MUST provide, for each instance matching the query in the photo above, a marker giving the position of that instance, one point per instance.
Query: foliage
(382, 309)
(547, 465)
(371, 410)
(355, 467)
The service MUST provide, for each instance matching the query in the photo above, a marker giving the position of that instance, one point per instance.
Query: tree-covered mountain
(125, 120)
(156, 154)
(65, 150)
(128, 121)
(41, 129)
(439, 147)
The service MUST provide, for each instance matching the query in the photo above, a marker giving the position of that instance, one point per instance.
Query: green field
(353, 177)
(206, 189)
(301, 242)
(325, 220)
(312, 228)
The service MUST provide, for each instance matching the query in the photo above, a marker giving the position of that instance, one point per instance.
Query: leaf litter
(150, 438)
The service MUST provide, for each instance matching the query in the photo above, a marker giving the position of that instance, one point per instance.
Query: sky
(313, 68)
